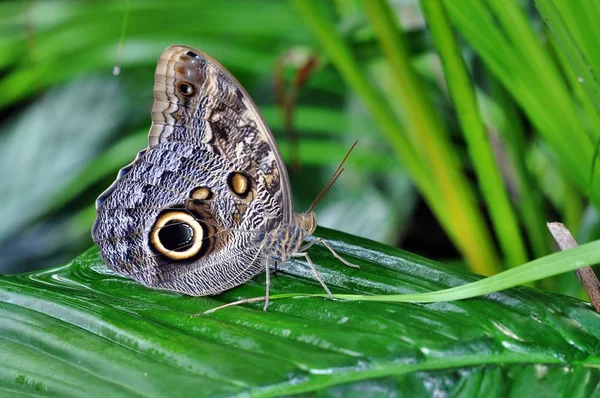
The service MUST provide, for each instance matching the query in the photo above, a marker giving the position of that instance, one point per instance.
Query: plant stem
(530, 200)
(433, 145)
(462, 93)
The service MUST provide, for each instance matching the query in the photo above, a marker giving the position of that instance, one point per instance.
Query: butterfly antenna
(332, 180)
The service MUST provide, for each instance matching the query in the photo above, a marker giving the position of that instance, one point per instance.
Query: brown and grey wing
(179, 218)
(197, 100)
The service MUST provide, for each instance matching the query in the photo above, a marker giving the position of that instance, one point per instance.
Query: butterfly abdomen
(284, 242)
(288, 239)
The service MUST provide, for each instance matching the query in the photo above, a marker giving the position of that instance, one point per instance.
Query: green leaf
(77, 328)
(53, 137)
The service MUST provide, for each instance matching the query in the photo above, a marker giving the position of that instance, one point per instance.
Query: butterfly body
(207, 205)
(287, 240)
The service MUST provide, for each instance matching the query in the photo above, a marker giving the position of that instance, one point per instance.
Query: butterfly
(207, 205)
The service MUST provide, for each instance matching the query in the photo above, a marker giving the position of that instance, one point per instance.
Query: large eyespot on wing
(198, 255)
(197, 100)
(177, 249)
(178, 235)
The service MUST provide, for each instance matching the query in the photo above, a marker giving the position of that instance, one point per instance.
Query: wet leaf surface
(78, 328)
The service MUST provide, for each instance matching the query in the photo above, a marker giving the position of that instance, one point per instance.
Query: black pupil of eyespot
(185, 88)
(176, 235)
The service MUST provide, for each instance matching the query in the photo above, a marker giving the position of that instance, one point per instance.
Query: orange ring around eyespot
(186, 218)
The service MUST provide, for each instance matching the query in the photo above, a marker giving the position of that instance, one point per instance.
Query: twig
(586, 275)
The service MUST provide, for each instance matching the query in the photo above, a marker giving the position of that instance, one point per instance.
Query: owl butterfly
(207, 205)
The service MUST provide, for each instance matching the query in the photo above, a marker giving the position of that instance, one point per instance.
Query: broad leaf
(78, 328)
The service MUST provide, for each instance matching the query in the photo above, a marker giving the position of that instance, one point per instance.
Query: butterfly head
(307, 222)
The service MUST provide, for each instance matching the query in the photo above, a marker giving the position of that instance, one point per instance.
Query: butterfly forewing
(198, 100)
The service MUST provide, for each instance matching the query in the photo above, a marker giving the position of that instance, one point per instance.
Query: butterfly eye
(185, 89)
(239, 183)
(177, 235)
(201, 193)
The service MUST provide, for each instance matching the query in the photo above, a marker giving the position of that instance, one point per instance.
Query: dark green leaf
(78, 328)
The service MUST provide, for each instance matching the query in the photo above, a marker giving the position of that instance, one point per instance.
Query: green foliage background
(485, 113)
(69, 124)
(496, 139)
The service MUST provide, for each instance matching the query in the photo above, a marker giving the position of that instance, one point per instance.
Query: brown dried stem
(586, 275)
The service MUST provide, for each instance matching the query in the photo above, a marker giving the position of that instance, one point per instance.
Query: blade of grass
(344, 61)
(578, 85)
(553, 264)
(531, 205)
(461, 219)
(480, 151)
(572, 35)
(341, 56)
(574, 27)
(507, 44)
(577, 141)
(572, 211)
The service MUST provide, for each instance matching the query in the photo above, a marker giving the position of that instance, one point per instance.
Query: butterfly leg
(309, 244)
(267, 286)
(342, 259)
(324, 243)
(314, 271)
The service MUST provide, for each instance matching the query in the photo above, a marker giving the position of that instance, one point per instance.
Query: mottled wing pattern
(220, 114)
(211, 156)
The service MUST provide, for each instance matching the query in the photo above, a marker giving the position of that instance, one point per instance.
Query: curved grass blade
(545, 267)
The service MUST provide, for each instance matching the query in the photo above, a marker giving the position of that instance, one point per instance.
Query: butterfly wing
(197, 100)
(191, 213)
